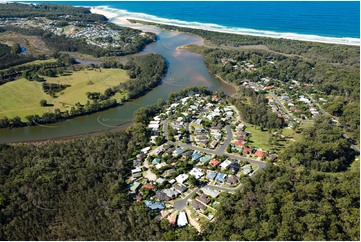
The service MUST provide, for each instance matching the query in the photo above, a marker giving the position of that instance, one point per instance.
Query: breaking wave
(119, 14)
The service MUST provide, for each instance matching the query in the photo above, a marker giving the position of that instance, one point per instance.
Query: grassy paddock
(260, 139)
(22, 97)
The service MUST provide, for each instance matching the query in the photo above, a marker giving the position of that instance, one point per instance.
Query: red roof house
(149, 186)
(239, 143)
(247, 151)
(259, 153)
(214, 162)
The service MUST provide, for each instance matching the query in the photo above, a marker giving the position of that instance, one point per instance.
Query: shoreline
(73, 137)
(113, 17)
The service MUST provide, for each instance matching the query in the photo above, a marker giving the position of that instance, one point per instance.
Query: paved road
(289, 116)
(165, 128)
(261, 164)
(228, 140)
(181, 204)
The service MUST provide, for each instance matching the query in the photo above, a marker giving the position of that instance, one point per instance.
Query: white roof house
(196, 172)
(210, 192)
(181, 178)
(225, 164)
(182, 219)
(136, 170)
(146, 150)
(154, 127)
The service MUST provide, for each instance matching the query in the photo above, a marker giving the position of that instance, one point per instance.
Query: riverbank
(185, 69)
(73, 137)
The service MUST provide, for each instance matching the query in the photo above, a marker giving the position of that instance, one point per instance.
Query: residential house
(160, 180)
(178, 152)
(146, 150)
(149, 186)
(137, 163)
(138, 197)
(137, 175)
(158, 166)
(232, 179)
(272, 157)
(203, 198)
(221, 177)
(187, 154)
(239, 143)
(210, 192)
(180, 188)
(201, 139)
(216, 128)
(213, 144)
(198, 206)
(182, 219)
(161, 196)
(136, 170)
(154, 205)
(247, 150)
(241, 135)
(240, 127)
(134, 187)
(234, 167)
(140, 157)
(211, 175)
(196, 156)
(247, 169)
(205, 159)
(214, 162)
(171, 192)
(155, 161)
(172, 218)
(259, 153)
(168, 173)
(170, 151)
(196, 172)
(225, 164)
(181, 178)
(198, 121)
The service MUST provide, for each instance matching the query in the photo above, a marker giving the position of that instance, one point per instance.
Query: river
(185, 69)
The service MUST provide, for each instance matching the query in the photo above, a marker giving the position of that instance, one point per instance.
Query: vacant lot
(260, 139)
(22, 97)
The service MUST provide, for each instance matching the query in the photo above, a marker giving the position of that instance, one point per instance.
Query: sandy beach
(122, 16)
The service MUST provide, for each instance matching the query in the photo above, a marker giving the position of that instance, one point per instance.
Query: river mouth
(185, 69)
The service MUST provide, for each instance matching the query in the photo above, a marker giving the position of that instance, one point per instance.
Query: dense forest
(254, 109)
(322, 148)
(10, 56)
(284, 203)
(50, 11)
(76, 190)
(147, 72)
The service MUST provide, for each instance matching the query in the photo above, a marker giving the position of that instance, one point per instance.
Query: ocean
(333, 21)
